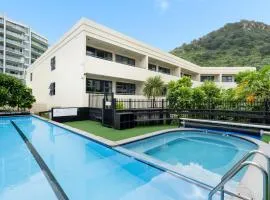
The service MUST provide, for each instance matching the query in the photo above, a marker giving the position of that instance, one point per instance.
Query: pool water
(199, 155)
(83, 168)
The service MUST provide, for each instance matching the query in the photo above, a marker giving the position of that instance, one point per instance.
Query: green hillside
(245, 43)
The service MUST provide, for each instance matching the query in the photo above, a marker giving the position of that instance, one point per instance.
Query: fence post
(162, 104)
(129, 104)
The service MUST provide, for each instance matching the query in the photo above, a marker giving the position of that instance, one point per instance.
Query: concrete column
(144, 62)
(220, 77)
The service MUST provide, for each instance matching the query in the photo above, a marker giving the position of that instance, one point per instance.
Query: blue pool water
(199, 155)
(83, 168)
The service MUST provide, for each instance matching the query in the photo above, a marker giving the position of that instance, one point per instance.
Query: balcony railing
(1, 48)
(17, 27)
(18, 68)
(1, 30)
(14, 59)
(39, 38)
(1, 56)
(14, 51)
(39, 45)
(36, 52)
(16, 35)
(20, 44)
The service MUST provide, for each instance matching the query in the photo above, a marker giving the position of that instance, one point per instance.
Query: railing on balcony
(20, 44)
(16, 35)
(14, 51)
(1, 30)
(39, 45)
(36, 51)
(14, 59)
(15, 26)
(39, 38)
(18, 68)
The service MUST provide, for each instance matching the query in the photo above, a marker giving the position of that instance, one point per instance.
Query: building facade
(19, 47)
(91, 58)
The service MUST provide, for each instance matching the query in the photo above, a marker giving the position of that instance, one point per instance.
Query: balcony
(14, 51)
(15, 35)
(16, 43)
(34, 51)
(117, 70)
(39, 38)
(17, 68)
(17, 60)
(1, 48)
(40, 46)
(15, 27)
(1, 30)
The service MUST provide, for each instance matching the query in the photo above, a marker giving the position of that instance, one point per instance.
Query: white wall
(68, 76)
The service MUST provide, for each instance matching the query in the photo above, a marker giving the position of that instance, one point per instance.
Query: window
(207, 78)
(164, 70)
(152, 67)
(52, 89)
(53, 63)
(227, 79)
(187, 75)
(125, 88)
(125, 60)
(90, 51)
(31, 76)
(98, 86)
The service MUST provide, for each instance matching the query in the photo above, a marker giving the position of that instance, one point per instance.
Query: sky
(164, 24)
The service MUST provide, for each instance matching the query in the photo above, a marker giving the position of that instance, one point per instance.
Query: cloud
(163, 5)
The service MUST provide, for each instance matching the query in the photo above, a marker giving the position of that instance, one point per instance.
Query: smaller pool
(200, 155)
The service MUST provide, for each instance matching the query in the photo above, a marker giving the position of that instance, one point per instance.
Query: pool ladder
(236, 168)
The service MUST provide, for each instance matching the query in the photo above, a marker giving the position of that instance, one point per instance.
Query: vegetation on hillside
(14, 94)
(245, 43)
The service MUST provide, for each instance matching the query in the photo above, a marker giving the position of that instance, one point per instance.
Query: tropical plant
(14, 93)
(179, 93)
(153, 87)
(254, 84)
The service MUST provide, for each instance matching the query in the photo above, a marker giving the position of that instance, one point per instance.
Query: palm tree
(153, 87)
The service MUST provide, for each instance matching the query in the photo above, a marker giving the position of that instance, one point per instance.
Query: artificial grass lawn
(266, 138)
(112, 134)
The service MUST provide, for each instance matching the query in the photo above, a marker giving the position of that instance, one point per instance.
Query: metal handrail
(237, 167)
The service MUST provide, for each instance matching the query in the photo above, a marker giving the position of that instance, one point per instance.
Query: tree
(253, 84)
(179, 93)
(153, 87)
(14, 93)
(212, 93)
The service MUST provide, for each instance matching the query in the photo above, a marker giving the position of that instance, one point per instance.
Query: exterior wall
(68, 76)
(73, 66)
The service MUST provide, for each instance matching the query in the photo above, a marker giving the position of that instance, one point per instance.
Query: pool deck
(250, 186)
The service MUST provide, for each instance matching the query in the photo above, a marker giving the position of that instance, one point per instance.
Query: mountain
(244, 43)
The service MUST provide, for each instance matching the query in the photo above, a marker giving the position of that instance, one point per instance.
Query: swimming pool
(80, 168)
(200, 155)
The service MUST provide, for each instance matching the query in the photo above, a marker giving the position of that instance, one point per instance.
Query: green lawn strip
(266, 138)
(112, 134)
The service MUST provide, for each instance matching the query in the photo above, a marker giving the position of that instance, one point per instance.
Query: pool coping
(250, 174)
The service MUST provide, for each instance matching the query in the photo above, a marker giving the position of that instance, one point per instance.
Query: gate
(108, 110)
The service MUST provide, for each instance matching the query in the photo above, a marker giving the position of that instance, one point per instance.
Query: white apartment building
(91, 58)
(19, 47)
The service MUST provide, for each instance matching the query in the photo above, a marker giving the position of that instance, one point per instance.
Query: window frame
(226, 76)
(130, 88)
(163, 69)
(52, 89)
(152, 67)
(105, 85)
(207, 78)
(53, 63)
(94, 53)
(125, 60)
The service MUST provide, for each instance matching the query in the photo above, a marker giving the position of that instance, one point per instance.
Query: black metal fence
(150, 111)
